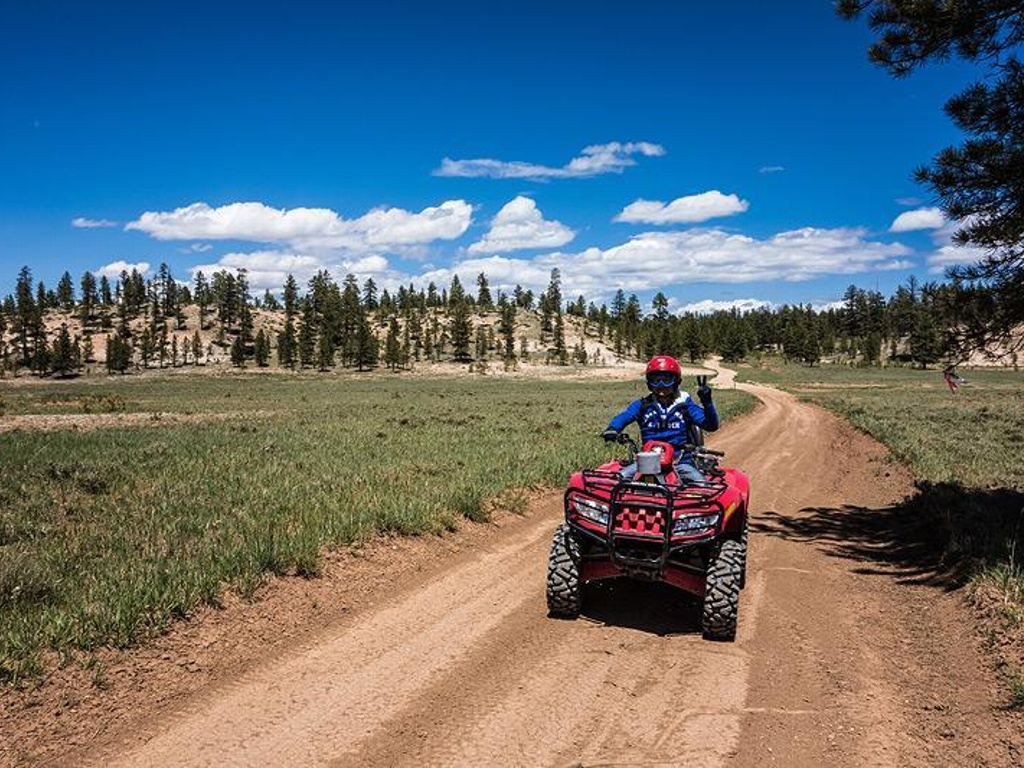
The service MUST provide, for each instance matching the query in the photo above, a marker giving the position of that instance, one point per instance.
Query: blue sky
(718, 152)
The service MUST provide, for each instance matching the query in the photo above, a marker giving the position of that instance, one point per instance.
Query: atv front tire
(722, 592)
(744, 538)
(564, 597)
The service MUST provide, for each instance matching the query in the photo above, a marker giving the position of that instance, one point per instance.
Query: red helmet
(660, 369)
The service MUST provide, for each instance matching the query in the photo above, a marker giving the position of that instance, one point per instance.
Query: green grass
(972, 438)
(107, 535)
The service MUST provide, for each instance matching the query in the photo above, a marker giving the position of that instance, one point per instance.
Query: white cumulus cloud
(707, 306)
(520, 225)
(264, 269)
(308, 228)
(613, 157)
(115, 268)
(661, 260)
(691, 209)
(268, 270)
(922, 218)
(395, 226)
(947, 253)
(825, 306)
(951, 255)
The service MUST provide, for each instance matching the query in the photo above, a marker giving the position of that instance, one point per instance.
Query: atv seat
(694, 434)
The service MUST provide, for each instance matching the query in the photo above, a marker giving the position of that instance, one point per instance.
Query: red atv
(655, 526)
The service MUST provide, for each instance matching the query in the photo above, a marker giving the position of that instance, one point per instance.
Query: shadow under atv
(653, 607)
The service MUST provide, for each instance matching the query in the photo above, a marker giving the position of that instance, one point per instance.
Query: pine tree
(238, 352)
(66, 293)
(147, 346)
(286, 345)
(106, 297)
(162, 344)
(325, 350)
(560, 353)
(26, 317)
(483, 297)
(414, 330)
(392, 346)
(631, 317)
(547, 325)
(270, 301)
(507, 330)
(524, 348)
(977, 183)
(461, 332)
(307, 334)
(366, 348)
(579, 353)
(456, 293)
(348, 318)
(287, 341)
(203, 297)
(925, 339)
(119, 353)
(406, 352)
(481, 343)
(430, 335)
(62, 358)
(369, 294)
(89, 299)
(88, 352)
(243, 301)
(261, 349)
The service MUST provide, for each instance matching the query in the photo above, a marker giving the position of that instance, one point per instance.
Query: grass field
(965, 452)
(107, 534)
(973, 438)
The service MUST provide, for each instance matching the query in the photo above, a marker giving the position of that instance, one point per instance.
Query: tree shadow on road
(656, 608)
(939, 536)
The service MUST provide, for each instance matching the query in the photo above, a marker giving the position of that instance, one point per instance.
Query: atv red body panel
(655, 527)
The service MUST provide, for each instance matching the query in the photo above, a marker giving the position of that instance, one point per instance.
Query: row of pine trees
(159, 321)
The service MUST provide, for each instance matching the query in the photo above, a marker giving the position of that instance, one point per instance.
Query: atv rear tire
(564, 597)
(722, 592)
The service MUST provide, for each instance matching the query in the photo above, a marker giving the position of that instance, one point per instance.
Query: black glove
(703, 389)
(610, 435)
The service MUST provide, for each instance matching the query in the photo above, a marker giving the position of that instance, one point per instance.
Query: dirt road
(850, 650)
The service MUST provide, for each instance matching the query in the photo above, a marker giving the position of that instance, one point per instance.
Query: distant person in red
(953, 380)
(666, 413)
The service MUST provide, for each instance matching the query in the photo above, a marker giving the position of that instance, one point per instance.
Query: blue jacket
(666, 423)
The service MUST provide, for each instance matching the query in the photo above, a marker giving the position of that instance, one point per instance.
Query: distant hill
(585, 346)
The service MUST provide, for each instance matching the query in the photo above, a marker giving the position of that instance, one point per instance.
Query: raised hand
(703, 388)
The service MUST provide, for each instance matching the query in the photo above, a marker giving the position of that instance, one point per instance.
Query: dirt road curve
(848, 652)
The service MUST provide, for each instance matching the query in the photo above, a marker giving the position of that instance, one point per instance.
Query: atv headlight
(694, 524)
(590, 509)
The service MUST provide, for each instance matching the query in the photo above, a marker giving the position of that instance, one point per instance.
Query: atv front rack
(641, 519)
(635, 527)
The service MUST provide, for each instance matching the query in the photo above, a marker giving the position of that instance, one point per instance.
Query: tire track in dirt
(307, 708)
(465, 668)
(814, 656)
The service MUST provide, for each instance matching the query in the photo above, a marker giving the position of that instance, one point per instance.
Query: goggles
(662, 380)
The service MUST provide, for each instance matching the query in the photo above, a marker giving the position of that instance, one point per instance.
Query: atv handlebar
(624, 438)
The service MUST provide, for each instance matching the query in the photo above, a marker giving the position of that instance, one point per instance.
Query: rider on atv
(667, 414)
